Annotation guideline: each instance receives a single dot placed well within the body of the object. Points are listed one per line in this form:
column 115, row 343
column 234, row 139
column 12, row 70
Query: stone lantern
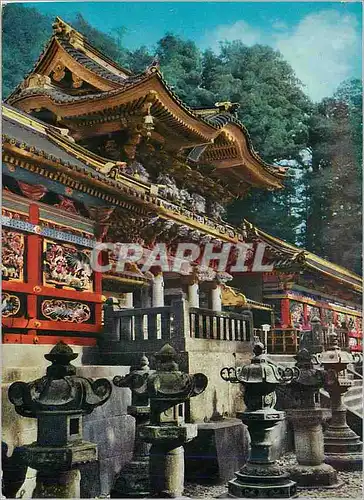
column 306, row 417
column 168, row 390
column 58, row 401
column 343, row 448
column 260, row 476
column 133, row 479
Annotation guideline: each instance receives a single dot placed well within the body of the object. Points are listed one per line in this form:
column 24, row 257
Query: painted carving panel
column 67, row 265
column 296, row 311
column 10, row 305
column 328, row 316
column 312, row 311
column 65, row 310
column 341, row 320
column 12, row 255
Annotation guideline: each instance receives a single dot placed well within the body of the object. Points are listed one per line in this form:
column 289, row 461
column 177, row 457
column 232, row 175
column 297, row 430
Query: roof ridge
column 62, row 29
column 306, row 253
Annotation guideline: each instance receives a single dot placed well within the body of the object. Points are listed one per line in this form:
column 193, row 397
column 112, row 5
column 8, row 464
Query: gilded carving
column 36, row 80
column 67, row 265
column 76, row 81
column 59, row 72
column 10, row 305
column 65, row 310
column 12, row 255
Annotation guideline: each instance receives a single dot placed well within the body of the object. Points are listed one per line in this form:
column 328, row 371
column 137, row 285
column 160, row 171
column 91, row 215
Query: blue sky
column 321, row 40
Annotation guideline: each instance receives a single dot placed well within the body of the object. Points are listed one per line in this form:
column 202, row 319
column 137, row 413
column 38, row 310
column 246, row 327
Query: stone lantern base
column 345, row 461
column 310, row 471
column 261, row 483
column 57, row 467
column 167, row 457
column 343, row 448
column 261, row 477
column 132, row 481
column 315, row 476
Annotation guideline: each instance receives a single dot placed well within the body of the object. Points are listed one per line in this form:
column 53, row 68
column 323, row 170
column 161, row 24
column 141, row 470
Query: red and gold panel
column 12, row 255
column 67, row 265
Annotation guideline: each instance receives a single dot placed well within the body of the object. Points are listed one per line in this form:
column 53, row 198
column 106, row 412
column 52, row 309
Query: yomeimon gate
column 93, row 153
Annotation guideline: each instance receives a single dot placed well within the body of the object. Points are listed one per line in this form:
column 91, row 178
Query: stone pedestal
column 133, row 479
column 261, row 477
column 167, row 457
column 310, row 471
column 59, row 485
column 343, row 448
column 57, row 472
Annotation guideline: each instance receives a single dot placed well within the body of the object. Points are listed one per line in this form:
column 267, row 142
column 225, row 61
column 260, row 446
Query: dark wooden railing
column 176, row 320
column 139, row 324
column 207, row 324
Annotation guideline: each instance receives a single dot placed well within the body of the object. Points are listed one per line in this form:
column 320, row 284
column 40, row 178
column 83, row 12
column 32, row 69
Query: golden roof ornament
column 228, row 106
column 36, row 81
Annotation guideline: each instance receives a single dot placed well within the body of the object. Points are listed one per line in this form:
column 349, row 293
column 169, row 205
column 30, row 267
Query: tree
column 334, row 227
column 273, row 105
column 108, row 44
column 181, row 64
column 21, row 52
column 140, row 59
column 275, row 110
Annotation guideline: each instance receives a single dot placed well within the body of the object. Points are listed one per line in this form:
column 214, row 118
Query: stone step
column 354, row 401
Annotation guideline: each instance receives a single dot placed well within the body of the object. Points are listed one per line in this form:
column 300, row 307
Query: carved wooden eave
column 232, row 155
column 103, row 112
column 44, row 150
column 290, row 257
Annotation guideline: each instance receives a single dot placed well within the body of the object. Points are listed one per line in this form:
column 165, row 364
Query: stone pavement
column 352, row 488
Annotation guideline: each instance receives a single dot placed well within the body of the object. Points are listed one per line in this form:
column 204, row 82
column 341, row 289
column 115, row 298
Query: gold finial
column 230, row 107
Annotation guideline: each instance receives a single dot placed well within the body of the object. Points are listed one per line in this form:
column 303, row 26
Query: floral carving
column 328, row 316
column 217, row 211
column 313, row 311
column 12, row 255
column 10, row 305
column 198, row 203
column 137, row 170
column 65, row 310
column 68, row 266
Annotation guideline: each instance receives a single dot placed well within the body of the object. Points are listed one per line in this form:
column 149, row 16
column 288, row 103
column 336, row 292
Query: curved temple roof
column 101, row 91
column 307, row 259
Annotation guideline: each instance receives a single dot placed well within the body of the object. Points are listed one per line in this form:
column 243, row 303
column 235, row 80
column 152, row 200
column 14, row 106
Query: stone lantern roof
column 61, row 390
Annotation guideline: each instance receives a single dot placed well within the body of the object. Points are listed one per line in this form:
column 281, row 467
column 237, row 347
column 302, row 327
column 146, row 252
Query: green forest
column 320, row 208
